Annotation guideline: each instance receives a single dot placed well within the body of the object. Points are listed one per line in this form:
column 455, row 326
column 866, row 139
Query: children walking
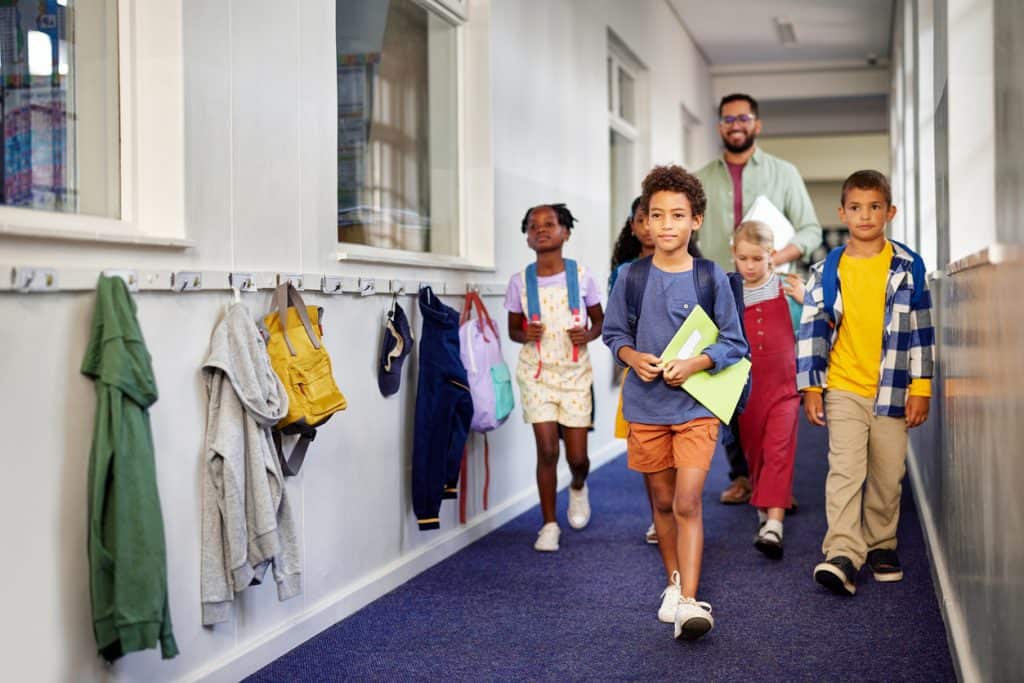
column 672, row 437
column 769, row 422
column 866, row 301
column 545, row 314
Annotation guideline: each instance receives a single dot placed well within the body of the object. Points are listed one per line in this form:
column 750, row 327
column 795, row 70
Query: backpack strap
column 572, row 286
column 532, row 293
column 287, row 296
column 704, row 283
column 636, row 283
column 291, row 465
column 830, row 281
column 917, row 271
column 532, row 306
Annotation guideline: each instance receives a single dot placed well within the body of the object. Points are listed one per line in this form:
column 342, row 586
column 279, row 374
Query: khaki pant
column 866, row 463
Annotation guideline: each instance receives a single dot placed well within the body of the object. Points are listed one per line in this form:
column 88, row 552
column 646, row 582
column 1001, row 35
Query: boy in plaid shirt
column 865, row 358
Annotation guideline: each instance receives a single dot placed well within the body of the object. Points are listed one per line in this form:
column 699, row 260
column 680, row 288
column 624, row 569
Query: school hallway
column 499, row 610
column 381, row 160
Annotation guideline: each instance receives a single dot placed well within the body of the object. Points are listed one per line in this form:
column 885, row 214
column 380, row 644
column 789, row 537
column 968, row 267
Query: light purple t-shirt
column 589, row 290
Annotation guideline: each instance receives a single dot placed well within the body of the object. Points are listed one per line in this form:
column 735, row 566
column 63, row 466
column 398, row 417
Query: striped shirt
column 766, row 292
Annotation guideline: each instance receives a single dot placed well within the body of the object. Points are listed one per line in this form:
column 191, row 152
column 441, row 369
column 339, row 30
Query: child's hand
column 579, row 336
column 794, row 286
column 814, row 408
column 534, row 330
column 647, row 366
column 678, row 371
column 917, row 410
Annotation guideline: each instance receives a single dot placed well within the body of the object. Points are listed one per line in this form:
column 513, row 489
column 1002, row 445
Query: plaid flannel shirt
column 908, row 338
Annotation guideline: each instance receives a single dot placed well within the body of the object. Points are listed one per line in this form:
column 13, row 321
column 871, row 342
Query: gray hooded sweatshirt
column 247, row 521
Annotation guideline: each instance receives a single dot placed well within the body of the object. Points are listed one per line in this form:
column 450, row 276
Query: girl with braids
column 634, row 241
column 545, row 306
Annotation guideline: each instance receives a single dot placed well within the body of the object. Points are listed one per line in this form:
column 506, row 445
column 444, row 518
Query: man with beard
column 732, row 182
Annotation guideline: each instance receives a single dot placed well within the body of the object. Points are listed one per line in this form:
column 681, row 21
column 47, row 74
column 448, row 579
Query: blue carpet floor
column 499, row 611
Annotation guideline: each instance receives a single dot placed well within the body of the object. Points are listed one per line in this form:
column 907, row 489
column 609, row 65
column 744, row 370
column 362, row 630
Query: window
column 398, row 126
column 59, row 106
column 93, row 107
column 626, row 134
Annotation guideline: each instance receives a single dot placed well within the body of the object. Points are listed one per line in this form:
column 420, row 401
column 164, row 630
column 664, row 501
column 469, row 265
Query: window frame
column 475, row 249
column 151, row 141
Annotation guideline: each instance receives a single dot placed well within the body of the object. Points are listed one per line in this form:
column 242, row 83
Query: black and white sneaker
column 885, row 565
column 837, row 575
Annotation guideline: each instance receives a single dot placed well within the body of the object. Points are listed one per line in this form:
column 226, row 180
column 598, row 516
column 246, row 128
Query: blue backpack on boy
column 704, row 282
column 830, row 278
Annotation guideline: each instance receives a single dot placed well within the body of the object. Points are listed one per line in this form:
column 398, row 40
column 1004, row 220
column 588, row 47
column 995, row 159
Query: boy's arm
column 815, row 334
column 922, row 359
column 731, row 346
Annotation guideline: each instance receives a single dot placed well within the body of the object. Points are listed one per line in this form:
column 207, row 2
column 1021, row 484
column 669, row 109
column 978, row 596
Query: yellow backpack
column 301, row 362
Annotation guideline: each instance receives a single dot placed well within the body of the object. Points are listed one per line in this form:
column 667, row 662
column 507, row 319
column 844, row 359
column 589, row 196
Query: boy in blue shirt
column 672, row 437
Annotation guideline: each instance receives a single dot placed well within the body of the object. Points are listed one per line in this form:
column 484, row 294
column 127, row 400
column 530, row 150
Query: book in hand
column 719, row 392
column 782, row 230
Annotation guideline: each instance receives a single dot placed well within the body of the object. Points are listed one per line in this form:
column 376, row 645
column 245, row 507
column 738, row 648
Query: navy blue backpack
column 704, row 282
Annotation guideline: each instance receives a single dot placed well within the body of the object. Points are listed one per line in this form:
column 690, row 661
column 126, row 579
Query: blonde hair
column 755, row 232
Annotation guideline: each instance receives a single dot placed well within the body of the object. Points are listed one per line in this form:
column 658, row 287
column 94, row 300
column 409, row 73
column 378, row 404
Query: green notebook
column 721, row 391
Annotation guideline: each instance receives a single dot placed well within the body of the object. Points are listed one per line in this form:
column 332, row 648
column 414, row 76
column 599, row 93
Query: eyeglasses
column 742, row 118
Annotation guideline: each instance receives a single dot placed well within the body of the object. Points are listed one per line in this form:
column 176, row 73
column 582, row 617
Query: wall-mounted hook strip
column 243, row 282
column 437, row 286
column 186, row 281
column 486, row 288
column 295, row 278
column 34, row 279
column 130, row 277
column 367, row 286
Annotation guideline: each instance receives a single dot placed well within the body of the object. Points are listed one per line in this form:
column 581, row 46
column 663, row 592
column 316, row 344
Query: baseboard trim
column 956, row 627
column 254, row 655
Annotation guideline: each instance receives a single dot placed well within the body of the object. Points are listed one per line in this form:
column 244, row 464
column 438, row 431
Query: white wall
column 260, row 178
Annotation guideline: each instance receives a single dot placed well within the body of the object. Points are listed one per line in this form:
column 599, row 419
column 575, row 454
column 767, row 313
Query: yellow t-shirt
column 856, row 356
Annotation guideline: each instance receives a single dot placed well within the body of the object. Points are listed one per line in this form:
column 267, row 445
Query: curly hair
column 562, row 214
column 674, row 178
column 627, row 247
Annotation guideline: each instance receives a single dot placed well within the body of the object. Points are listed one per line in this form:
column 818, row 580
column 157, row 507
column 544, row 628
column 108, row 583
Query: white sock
column 773, row 525
column 762, row 517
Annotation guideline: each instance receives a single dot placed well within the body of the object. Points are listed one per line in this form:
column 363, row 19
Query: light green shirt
column 765, row 174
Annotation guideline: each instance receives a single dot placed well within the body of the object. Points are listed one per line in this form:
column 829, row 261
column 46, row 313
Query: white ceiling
column 732, row 32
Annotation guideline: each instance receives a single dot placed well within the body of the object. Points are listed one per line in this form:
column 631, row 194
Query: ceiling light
column 784, row 31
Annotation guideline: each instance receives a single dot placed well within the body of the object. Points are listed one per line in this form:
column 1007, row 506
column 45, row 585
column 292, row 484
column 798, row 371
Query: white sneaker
column 669, row 600
column 692, row 619
column 547, row 538
column 651, row 536
column 579, row 507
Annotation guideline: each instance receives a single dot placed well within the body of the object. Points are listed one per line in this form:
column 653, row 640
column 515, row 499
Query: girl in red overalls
column 768, row 423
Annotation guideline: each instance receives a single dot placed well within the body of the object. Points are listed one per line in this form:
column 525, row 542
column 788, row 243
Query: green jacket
column 776, row 179
column 127, row 558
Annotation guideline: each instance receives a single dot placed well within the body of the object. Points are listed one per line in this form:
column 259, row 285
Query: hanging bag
column 301, row 362
column 490, row 383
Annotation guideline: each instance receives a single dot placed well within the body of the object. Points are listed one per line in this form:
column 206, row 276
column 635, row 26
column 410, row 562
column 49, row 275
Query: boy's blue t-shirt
column 668, row 300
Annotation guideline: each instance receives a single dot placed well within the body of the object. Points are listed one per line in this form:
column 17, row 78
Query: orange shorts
column 653, row 448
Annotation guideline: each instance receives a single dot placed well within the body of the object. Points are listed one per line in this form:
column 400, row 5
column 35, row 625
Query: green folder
column 719, row 392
